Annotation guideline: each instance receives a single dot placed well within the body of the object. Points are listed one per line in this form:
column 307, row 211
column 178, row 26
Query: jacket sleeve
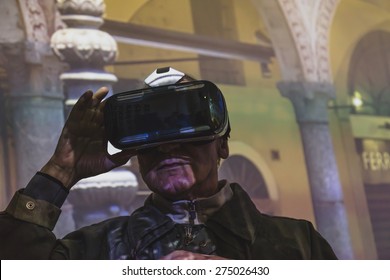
column 27, row 223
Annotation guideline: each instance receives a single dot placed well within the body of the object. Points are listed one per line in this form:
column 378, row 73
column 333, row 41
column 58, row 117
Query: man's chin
column 176, row 190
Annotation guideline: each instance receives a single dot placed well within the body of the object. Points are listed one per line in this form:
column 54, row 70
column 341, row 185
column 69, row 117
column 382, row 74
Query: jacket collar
column 179, row 211
column 230, row 210
column 235, row 216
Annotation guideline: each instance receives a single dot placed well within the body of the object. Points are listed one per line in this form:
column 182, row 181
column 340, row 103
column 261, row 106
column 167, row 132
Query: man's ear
column 223, row 148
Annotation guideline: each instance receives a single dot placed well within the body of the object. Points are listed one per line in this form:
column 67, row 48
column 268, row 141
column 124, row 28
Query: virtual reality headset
column 143, row 118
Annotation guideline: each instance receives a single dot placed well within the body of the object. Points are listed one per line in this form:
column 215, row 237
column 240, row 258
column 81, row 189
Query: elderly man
column 189, row 215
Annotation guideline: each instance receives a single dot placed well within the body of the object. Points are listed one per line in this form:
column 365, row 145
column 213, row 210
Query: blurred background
column 306, row 83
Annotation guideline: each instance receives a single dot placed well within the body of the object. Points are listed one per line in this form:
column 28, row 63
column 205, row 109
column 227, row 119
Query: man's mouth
column 171, row 163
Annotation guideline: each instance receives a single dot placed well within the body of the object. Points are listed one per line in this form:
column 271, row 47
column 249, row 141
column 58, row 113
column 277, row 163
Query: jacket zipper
column 188, row 229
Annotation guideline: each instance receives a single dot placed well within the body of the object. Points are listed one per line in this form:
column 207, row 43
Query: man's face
column 183, row 170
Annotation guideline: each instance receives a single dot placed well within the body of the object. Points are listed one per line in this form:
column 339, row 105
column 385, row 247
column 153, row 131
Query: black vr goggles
column 190, row 111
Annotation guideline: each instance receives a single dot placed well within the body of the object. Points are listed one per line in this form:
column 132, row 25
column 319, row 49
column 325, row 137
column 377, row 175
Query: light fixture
column 357, row 101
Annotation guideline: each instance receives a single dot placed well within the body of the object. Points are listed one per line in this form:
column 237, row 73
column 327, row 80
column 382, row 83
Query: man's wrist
column 62, row 175
column 44, row 187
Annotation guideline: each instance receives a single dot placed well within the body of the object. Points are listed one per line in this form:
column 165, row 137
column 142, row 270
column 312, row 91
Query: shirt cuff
column 44, row 187
column 28, row 209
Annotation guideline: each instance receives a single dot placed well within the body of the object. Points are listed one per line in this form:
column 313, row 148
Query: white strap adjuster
column 164, row 76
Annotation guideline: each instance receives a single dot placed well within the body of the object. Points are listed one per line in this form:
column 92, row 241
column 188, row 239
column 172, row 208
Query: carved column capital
column 84, row 47
column 81, row 12
column 310, row 99
column 84, row 7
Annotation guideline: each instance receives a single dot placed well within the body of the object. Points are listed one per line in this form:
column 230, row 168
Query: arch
column 242, row 149
column 369, row 71
column 289, row 25
column 343, row 38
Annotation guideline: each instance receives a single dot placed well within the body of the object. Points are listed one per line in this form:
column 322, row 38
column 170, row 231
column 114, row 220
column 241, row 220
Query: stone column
column 84, row 47
column 33, row 105
column 310, row 101
column 86, row 50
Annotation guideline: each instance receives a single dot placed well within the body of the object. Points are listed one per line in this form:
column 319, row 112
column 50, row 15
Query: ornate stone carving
column 81, row 12
column 309, row 22
column 83, row 7
column 84, row 47
column 324, row 20
column 41, row 19
column 34, row 21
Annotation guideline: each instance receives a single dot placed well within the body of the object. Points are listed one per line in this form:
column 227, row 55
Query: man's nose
column 166, row 148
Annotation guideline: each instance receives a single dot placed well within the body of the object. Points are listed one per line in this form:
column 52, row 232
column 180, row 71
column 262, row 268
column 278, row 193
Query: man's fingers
column 87, row 106
column 87, row 97
column 99, row 95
